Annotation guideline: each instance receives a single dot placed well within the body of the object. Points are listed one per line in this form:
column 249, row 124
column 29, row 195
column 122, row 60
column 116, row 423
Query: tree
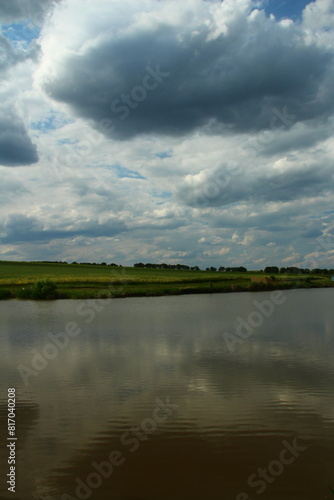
column 271, row 270
column 293, row 270
column 240, row 269
column 44, row 289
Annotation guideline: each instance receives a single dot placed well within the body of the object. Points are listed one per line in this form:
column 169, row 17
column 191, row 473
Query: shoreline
column 205, row 290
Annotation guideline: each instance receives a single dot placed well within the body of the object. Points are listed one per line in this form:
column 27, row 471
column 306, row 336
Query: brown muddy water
column 225, row 396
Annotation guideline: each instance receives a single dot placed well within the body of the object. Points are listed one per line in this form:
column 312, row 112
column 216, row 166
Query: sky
column 197, row 132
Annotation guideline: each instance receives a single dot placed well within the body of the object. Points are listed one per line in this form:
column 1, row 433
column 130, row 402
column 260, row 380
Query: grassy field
column 92, row 281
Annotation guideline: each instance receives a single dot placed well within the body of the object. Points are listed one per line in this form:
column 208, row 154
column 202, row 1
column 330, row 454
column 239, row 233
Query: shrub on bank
column 41, row 290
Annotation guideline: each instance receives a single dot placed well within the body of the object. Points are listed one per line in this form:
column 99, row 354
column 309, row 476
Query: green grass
column 91, row 281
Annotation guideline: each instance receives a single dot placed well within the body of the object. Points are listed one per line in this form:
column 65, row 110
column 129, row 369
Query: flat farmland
column 14, row 273
column 92, row 281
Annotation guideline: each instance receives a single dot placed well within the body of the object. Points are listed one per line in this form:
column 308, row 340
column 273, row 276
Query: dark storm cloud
column 173, row 80
column 313, row 232
column 216, row 190
column 18, row 10
column 295, row 184
column 18, row 228
column 298, row 138
column 16, row 147
column 287, row 220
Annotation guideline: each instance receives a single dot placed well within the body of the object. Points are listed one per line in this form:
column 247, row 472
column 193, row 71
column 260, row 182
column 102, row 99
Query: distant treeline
column 76, row 263
column 48, row 262
column 179, row 267
column 183, row 267
column 296, row 270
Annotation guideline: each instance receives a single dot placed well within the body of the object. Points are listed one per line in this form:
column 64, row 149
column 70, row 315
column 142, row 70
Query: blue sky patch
column 67, row 141
column 44, row 125
column 23, row 32
column 281, row 9
column 163, row 155
column 161, row 194
column 51, row 122
column 123, row 172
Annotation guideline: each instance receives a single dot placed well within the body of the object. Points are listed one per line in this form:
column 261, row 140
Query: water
column 150, row 399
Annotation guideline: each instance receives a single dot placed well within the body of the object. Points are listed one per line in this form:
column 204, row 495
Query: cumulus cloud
column 318, row 23
column 299, row 137
column 16, row 147
column 171, row 68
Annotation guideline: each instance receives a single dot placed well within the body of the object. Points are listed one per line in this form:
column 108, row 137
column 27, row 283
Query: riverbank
column 73, row 281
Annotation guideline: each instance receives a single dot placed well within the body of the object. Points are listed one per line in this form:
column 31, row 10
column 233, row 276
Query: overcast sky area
column 196, row 132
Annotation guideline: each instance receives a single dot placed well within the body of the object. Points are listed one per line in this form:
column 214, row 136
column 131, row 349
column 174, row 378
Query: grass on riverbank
column 93, row 281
